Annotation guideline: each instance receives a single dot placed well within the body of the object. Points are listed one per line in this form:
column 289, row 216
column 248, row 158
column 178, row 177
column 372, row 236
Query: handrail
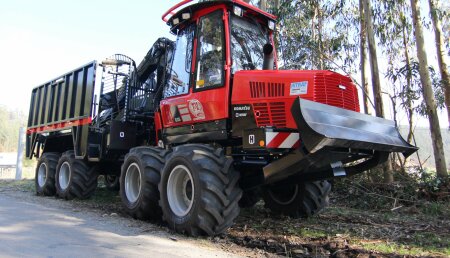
column 165, row 17
column 171, row 10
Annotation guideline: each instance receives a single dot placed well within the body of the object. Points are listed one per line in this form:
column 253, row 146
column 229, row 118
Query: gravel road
column 32, row 226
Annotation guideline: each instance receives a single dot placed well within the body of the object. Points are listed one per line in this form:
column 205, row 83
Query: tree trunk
column 379, row 110
column 320, row 32
column 441, row 54
column 428, row 95
column 263, row 5
column 363, row 55
column 410, row 111
column 313, row 38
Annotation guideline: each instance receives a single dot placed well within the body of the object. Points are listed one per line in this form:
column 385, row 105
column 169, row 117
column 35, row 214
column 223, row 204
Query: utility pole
column 19, row 154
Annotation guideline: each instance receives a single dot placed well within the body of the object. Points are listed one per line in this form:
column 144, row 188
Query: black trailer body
column 61, row 109
column 68, row 113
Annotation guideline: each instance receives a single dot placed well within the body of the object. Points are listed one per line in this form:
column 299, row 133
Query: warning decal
column 299, row 88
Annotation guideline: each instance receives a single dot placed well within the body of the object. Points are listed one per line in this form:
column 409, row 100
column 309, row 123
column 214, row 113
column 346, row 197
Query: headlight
column 237, row 11
column 271, row 25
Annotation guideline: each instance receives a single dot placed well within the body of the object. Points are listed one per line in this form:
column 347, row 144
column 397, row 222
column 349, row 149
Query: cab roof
column 176, row 13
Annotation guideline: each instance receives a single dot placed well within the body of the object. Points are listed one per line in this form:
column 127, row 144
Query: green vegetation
column 10, row 122
column 435, row 208
column 399, row 249
column 308, row 232
column 21, row 185
column 103, row 196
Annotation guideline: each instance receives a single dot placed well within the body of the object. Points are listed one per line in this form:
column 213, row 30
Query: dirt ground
column 340, row 231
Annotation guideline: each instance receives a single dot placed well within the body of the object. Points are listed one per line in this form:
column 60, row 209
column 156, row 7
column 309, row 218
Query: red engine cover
column 271, row 93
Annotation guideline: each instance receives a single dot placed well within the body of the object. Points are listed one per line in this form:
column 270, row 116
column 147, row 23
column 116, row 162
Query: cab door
column 195, row 99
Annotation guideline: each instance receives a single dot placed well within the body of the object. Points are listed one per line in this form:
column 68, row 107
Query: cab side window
column 178, row 82
column 210, row 52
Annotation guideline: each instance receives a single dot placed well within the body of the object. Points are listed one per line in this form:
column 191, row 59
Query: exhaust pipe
column 268, row 57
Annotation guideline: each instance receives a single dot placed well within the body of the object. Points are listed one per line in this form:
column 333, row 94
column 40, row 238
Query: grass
column 28, row 172
column 21, row 185
column 420, row 242
column 435, row 208
column 432, row 242
column 308, row 232
column 400, row 249
column 389, row 248
column 103, row 196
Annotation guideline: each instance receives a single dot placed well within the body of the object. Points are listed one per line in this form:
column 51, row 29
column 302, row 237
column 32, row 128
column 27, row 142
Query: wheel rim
column 133, row 182
column 284, row 195
column 64, row 175
column 180, row 190
column 42, row 174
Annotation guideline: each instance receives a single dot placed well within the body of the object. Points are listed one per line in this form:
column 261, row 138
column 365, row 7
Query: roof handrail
column 171, row 10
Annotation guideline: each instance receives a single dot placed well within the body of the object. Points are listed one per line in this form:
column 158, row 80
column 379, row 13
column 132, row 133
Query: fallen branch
column 396, row 208
column 361, row 188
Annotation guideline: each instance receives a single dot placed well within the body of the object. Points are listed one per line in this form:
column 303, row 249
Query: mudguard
column 323, row 126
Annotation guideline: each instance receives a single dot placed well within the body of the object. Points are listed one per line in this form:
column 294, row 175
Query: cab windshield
column 247, row 41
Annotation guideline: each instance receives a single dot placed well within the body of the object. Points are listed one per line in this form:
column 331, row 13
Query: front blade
column 323, row 125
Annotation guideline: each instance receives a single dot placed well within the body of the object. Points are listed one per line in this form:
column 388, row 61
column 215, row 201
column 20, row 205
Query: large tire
column 74, row 177
column 199, row 190
column 45, row 174
column 139, row 182
column 303, row 199
column 112, row 182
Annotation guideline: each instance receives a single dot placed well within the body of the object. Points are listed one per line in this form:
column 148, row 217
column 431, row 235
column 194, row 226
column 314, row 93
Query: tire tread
column 218, row 205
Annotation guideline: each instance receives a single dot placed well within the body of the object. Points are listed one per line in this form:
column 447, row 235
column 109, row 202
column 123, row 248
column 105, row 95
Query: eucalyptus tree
column 394, row 30
column 317, row 34
column 441, row 55
column 363, row 57
column 428, row 94
column 376, row 85
column 446, row 24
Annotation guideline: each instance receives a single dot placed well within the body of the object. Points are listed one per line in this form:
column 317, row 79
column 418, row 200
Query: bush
column 411, row 188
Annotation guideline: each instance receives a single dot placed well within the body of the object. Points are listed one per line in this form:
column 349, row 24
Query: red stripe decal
column 296, row 145
column 278, row 140
column 59, row 126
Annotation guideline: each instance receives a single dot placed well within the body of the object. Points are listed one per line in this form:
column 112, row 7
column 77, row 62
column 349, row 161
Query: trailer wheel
column 112, row 182
column 74, row 177
column 45, row 174
column 250, row 198
column 298, row 200
column 139, row 182
column 199, row 190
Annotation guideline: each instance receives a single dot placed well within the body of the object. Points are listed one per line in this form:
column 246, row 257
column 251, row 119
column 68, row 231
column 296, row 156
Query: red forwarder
column 204, row 125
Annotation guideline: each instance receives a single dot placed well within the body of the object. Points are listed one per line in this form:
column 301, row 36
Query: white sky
column 40, row 40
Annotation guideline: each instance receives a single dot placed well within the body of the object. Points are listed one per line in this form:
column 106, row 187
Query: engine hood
column 271, row 93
